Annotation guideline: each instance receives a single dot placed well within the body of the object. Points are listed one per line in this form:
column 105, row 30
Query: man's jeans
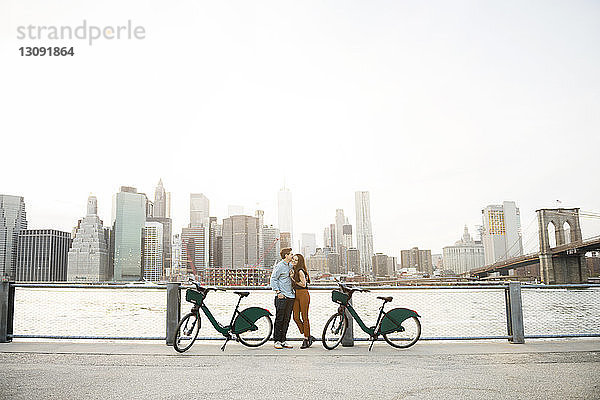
column 283, row 314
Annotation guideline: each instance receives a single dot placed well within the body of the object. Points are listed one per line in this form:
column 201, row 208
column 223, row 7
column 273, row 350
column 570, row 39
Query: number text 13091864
column 46, row 51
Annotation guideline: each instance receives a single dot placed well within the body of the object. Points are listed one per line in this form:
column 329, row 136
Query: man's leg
column 287, row 309
column 279, row 318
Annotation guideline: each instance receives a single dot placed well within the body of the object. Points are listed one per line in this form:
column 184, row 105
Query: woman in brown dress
column 300, row 281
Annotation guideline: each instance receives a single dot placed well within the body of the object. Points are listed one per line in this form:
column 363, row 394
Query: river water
column 444, row 312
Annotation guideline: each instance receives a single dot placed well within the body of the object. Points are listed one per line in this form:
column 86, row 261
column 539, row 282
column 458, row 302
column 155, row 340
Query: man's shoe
column 278, row 345
column 311, row 340
column 286, row 346
column 304, row 344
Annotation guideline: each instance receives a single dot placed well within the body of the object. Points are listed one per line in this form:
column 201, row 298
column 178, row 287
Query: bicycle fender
column 246, row 319
column 392, row 320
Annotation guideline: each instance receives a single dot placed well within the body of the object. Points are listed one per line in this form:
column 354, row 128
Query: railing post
column 7, row 307
column 514, row 313
column 348, row 338
column 173, row 310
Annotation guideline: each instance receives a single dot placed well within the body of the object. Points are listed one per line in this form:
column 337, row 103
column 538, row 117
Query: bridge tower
column 560, row 267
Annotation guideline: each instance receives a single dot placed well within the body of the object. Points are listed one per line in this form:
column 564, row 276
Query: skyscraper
column 271, row 246
column 129, row 219
column 260, row 214
column 240, row 241
column 12, row 220
column 380, row 265
column 162, row 202
column 213, row 231
column 364, row 233
column 199, row 210
column 286, row 239
column 162, row 212
column 153, row 266
column 42, row 255
column 88, row 258
column 340, row 220
column 415, row 258
column 284, row 210
column 353, row 260
column 501, row 232
column 309, row 244
column 194, row 249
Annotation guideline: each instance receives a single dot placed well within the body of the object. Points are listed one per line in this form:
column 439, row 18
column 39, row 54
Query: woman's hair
column 301, row 265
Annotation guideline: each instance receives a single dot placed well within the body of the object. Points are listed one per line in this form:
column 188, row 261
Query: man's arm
column 275, row 278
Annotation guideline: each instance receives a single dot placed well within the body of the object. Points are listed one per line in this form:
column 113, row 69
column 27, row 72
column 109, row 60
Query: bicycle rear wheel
column 334, row 331
column 187, row 332
column 257, row 337
column 406, row 338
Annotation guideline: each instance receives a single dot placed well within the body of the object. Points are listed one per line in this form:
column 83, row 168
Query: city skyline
column 178, row 224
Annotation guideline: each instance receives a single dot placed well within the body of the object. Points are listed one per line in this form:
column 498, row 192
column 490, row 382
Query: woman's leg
column 304, row 303
column 296, row 314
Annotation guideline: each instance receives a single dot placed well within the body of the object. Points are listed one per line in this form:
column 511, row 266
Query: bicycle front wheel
column 257, row 337
column 406, row 338
column 187, row 332
column 334, row 331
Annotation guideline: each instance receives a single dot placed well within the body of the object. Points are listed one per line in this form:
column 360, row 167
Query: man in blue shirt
column 281, row 283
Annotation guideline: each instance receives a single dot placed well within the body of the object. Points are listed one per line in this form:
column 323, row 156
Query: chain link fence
column 561, row 312
column 453, row 312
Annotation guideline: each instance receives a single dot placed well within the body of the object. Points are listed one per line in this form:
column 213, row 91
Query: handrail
column 502, row 285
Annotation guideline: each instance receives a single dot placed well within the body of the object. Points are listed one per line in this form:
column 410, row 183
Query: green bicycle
column 399, row 327
column 252, row 327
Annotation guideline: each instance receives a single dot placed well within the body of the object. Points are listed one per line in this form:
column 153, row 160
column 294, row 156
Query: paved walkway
column 566, row 369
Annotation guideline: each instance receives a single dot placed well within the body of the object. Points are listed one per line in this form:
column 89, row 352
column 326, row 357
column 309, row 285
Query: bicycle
column 399, row 327
column 252, row 327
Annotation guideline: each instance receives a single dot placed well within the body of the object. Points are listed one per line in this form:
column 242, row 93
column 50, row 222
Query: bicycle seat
column 385, row 299
column 242, row 294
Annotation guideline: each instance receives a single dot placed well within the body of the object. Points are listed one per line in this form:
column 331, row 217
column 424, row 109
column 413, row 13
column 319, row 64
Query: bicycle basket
column 194, row 296
column 339, row 297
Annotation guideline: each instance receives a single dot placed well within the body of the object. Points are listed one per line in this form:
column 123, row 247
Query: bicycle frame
column 223, row 330
column 372, row 332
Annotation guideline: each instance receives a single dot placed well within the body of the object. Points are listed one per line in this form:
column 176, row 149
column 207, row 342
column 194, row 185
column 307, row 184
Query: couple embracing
column 290, row 282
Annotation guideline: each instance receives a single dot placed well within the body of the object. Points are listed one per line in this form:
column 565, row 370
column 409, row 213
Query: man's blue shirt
column 280, row 279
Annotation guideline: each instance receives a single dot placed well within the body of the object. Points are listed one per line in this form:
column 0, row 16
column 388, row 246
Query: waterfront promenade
column 538, row 369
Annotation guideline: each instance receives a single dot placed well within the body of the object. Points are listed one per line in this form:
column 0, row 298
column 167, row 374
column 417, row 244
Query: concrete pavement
column 541, row 369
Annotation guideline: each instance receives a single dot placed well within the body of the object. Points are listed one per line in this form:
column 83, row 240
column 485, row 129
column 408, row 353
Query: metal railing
column 513, row 311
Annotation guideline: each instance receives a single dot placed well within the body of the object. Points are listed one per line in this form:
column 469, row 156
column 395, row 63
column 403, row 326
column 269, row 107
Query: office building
column 194, row 249
column 199, row 210
column 465, row 255
column 88, row 257
column 308, row 245
column 240, row 241
column 162, row 202
column 364, row 233
column 286, row 239
column 340, row 220
column 260, row 214
column 380, row 265
column 415, row 258
column 334, row 263
column 284, row 212
column 501, row 234
column 42, row 255
column 13, row 219
column 353, row 260
column 242, row 276
column 129, row 218
column 153, row 267
column 271, row 246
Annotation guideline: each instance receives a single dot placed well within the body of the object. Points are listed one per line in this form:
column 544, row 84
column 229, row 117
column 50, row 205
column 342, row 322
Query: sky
column 436, row 108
